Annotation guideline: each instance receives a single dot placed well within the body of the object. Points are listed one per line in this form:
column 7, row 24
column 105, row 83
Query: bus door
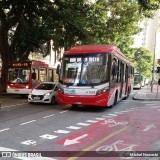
column 126, row 78
column 121, row 78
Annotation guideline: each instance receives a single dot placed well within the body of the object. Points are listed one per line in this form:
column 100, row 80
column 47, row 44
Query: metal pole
column 157, row 91
column 154, row 62
column 153, row 73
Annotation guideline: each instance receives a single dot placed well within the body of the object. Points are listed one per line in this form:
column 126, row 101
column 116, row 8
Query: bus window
column 50, row 75
column 114, row 68
column 42, row 74
column 18, row 75
column 118, row 71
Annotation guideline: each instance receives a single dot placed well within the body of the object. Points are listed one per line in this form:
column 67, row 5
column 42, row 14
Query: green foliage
column 33, row 23
column 143, row 61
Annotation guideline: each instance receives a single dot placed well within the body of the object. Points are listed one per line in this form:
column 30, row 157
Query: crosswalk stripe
column 73, row 127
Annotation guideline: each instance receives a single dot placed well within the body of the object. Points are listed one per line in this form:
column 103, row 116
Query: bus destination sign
column 20, row 64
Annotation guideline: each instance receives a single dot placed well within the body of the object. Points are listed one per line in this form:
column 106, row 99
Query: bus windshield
column 18, row 75
column 85, row 69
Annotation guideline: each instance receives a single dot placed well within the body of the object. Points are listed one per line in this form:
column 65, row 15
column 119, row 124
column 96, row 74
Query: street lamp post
column 154, row 58
column 153, row 72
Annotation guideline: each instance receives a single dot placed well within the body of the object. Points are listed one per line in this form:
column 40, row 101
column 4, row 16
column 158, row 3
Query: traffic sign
column 158, row 61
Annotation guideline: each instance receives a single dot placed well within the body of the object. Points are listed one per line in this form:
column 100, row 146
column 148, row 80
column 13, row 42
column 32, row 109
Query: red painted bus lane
column 137, row 130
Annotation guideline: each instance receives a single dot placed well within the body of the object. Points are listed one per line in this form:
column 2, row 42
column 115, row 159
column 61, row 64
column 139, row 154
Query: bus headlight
column 8, row 87
column 103, row 90
column 27, row 87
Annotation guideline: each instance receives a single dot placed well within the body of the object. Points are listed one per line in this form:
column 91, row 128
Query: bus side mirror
column 159, row 81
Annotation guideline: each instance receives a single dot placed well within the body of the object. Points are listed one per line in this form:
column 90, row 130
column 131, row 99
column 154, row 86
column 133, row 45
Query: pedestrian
column 33, row 74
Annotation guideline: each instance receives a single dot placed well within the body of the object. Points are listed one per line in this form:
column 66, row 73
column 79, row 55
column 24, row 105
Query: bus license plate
column 16, row 90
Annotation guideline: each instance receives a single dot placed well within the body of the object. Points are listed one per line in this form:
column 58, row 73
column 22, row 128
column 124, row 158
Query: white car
column 43, row 93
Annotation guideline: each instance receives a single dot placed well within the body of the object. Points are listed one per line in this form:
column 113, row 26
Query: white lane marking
column 64, row 111
column 91, row 121
column 99, row 118
column 109, row 115
column 73, row 127
column 155, row 107
column 112, row 115
column 118, row 112
column 124, row 111
column 9, row 150
column 48, row 136
column 83, row 124
column 49, row 116
column 62, row 131
column 27, row 122
column 5, row 129
column 14, row 105
column 149, row 127
column 29, row 142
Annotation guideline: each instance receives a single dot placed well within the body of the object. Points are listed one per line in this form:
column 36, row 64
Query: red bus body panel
column 99, row 100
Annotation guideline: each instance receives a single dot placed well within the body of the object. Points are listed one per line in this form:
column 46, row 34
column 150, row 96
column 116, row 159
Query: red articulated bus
column 21, row 79
column 96, row 75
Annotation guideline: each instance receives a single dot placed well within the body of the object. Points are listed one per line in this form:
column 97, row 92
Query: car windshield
column 45, row 86
column 85, row 69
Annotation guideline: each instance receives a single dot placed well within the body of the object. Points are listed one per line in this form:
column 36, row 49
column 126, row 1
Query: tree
column 143, row 61
column 25, row 26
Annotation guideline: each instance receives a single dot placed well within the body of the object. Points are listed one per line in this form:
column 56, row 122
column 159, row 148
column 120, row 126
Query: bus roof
column 94, row 48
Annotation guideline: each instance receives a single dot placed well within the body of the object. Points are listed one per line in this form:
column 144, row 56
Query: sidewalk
column 146, row 94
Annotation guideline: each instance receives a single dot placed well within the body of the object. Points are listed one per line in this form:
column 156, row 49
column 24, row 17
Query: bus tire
column 74, row 106
column 128, row 93
column 115, row 98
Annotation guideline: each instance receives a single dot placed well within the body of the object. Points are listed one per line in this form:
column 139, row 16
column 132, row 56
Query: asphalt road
column 83, row 133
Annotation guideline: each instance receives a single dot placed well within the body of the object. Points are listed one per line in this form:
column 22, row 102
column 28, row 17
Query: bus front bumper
column 97, row 100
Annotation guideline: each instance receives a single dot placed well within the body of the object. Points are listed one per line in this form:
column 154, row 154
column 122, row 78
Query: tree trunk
column 4, row 49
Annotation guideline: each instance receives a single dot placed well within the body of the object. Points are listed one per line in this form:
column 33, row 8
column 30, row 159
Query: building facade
column 150, row 36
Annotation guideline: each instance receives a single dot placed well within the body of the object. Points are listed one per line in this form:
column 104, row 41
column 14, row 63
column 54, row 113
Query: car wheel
column 53, row 100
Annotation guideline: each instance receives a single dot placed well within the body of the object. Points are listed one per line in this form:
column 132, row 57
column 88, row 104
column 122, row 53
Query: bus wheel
column 128, row 93
column 115, row 98
column 53, row 100
column 74, row 106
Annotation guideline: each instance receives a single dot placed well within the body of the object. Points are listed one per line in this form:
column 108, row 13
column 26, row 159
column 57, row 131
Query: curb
column 143, row 99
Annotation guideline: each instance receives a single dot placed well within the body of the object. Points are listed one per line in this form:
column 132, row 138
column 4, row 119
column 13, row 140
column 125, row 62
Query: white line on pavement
column 83, row 124
column 73, row 127
column 99, row 118
column 49, row 116
column 62, row 131
column 91, row 121
column 14, row 105
column 27, row 122
column 64, row 111
column 6, row 129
